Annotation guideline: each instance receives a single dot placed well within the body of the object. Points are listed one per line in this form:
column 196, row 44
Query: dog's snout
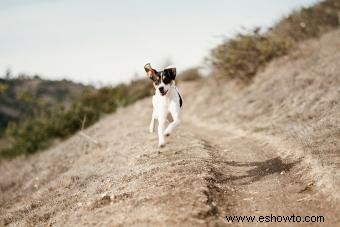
column 161, row 89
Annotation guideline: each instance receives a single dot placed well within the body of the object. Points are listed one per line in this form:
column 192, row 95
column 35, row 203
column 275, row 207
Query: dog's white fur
column 162, row 106
column 165, row 107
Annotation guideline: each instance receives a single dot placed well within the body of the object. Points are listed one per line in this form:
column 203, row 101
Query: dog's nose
column 161, row 89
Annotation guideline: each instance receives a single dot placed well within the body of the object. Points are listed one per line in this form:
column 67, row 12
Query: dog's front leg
column 173, row 125
column 175, row 113
column 161, row 128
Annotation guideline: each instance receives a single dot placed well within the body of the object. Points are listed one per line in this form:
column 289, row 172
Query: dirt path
column 249, row 178
column 202, row 175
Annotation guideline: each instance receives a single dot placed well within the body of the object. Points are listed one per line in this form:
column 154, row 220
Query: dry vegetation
column 190, row 75
column 241, row 57
column 293, row 103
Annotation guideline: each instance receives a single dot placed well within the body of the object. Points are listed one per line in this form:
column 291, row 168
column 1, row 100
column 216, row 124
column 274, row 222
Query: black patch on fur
column 169, row 74
column 180, row 99
column 166, row 79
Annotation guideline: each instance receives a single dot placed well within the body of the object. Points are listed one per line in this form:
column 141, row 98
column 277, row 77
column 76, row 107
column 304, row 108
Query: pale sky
column 109, row 41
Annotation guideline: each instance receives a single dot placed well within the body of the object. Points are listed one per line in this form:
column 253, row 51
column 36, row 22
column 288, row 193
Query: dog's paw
column 167, row 133
column 151, row 128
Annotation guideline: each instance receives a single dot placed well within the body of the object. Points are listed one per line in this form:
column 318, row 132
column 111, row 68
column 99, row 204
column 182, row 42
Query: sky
column 109, row 41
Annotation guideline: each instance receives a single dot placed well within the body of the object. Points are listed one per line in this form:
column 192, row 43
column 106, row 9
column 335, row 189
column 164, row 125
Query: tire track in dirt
column 248, row 177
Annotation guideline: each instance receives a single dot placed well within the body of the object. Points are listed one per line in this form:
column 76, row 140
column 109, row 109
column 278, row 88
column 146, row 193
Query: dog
column 167, row 102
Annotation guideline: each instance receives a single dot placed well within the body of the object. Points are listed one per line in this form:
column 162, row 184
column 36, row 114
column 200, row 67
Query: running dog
column 166, row 102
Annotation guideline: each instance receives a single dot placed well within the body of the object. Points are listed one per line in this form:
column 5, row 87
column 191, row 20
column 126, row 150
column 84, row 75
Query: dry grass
column 244, row 55
column 189, row 75
column 293, row 102
column 309, row 22
column 241, row 57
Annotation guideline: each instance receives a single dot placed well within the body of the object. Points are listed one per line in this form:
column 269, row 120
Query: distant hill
column 34, row 111
column 24, row 96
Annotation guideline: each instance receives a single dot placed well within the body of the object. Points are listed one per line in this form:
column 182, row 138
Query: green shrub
column 37, row 132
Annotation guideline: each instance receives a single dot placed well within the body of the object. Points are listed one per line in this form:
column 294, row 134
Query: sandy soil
column 201, row 176
column 218, row 163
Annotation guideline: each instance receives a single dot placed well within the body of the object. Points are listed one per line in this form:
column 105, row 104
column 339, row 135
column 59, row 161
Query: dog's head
column 161, row 80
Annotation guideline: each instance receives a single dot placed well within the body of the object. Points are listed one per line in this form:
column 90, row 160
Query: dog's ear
column 150, row 72
column 170, row 72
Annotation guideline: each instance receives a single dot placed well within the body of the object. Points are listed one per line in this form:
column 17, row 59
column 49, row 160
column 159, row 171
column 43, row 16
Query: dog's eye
column 156, row 82
column 166, row 80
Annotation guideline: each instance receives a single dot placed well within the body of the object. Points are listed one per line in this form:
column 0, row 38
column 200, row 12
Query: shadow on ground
column 250, row 172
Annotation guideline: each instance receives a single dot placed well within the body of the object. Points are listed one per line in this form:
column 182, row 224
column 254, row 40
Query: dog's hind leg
column 153, row 116
column 152, row 124
column 161, row 127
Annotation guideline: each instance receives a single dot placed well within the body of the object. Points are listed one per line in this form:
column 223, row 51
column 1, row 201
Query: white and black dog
column 167, row 101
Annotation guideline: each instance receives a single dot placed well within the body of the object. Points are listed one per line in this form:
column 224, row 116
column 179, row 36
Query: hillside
column 269, row 148
column 54, row 110
column 293, row 103
column 22, row 97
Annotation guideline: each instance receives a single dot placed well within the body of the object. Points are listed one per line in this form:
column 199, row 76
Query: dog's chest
column 162, row 101
column 171, row 102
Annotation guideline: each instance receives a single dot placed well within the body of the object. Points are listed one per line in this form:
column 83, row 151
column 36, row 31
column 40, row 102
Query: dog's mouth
column 163, row 93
